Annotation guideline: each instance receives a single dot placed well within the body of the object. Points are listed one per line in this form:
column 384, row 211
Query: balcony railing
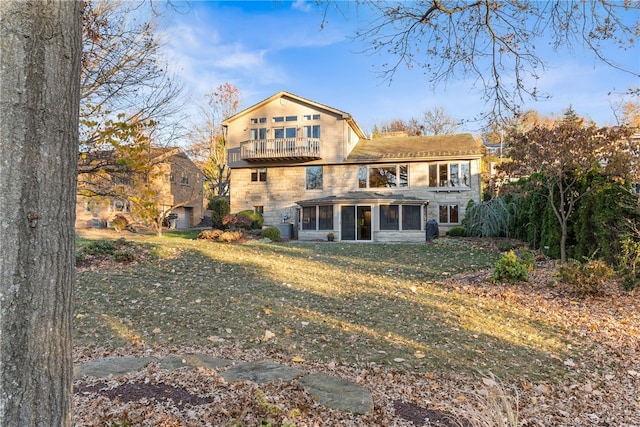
column 298, row 149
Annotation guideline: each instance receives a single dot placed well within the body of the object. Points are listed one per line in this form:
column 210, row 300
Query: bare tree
column 39, row 100
column 124, row 75
column 494, row 42
column 208, row 145
column 437, row 122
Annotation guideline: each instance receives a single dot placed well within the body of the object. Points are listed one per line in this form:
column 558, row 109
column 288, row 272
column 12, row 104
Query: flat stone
column 174, row 361
column 261, row 372
column 101, row 368
column 336, row 393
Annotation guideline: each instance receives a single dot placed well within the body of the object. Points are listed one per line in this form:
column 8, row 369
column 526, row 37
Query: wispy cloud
column 302, row 5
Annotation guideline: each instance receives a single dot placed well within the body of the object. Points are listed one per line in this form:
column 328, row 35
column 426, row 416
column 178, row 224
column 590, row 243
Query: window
column 119, row 205
column 316, row 117
column 311, row 117
column 411, row 217
column 314, row 178
column 309, row 218
column 184, row 180
column 451, row 174
column 325, row 217
column 291, row 119
column 383, row 176
column 259, row 175
column 259, row 133
column 449, row 214
column 312, row 131
column 169, row 177
column 278, row 119
column 389, row 217
column 258, row 209
column 258, row 120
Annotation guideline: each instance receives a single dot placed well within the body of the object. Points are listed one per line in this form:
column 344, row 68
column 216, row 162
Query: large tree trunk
column 40, row 56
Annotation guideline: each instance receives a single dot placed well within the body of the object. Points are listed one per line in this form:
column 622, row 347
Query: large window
column 389, row 217
column 314, row 178
column 259, row 133
column 383, row 176
column 317, row 217
column 259, row 175
column 325, row 217
column 449, row 214
column 309, row 218
column 411, row 217
column 450, row 174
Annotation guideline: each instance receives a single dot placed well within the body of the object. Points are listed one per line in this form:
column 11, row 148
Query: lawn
column 391, row 304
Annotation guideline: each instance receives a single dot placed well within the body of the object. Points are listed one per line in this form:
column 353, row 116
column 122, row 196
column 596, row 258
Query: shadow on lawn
column 337, row 304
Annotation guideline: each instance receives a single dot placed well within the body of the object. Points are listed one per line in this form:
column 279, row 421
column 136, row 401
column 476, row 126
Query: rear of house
column 310, row 169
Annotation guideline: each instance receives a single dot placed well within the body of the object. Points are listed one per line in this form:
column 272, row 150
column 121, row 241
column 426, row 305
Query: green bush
column 119, row 222
column 629, row 262
column 124, row 255
column 271, row 233
column 585, row 279
column 457, row 232
column 101, row 247
column 505, row 245
column 256, row 218
column 219, row 208
column 510, row 269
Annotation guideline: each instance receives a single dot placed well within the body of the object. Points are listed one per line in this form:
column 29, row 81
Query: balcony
column 281, row 149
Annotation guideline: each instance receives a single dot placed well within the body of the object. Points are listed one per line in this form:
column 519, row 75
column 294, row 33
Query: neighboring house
column 104, row 193
column 308, row 164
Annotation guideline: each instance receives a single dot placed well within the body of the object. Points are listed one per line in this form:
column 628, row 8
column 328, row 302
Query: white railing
column 280, row 148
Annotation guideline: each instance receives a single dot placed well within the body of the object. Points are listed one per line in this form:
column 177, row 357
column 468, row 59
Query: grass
column 347, row 303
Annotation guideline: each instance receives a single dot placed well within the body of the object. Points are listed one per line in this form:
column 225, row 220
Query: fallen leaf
column 268, row 335
column 419, row 355
column 156, row 331
column 298, row 359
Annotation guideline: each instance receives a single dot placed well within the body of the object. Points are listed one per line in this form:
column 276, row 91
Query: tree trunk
column 41, row 48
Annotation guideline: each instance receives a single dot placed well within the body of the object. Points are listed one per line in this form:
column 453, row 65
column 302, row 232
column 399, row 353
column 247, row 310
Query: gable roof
column 416, row 147
column 284, row 94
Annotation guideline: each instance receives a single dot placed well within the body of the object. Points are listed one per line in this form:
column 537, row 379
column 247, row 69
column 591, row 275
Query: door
column 355, row 222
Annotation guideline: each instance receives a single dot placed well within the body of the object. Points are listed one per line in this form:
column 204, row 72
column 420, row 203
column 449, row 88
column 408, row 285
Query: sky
column 263, row 47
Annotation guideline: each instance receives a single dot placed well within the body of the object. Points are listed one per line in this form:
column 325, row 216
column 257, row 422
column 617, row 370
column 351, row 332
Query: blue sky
column 263, row 47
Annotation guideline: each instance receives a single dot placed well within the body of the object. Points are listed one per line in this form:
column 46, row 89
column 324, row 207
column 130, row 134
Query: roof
column 416, row 147
column 362, row 196
column 284, row 94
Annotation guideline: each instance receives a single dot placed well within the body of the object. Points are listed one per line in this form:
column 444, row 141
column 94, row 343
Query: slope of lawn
column 349, row 303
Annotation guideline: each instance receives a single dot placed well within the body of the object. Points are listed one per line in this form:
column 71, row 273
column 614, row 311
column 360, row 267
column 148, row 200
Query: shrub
column 510, row 269
column 219, row 208
column 124, row 255
column 210, row 234
column 230, row 236
column 119, row 222
column 101, row 247
column 271, row 233
column 629, row 262
column 236, row 222
column 586, row 279
column 256, row 218
column 505, row 245
column 457, row 232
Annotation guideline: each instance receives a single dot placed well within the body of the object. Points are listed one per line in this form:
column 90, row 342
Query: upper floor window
column 278, row 119
column 184, row 180
column 314, row 178
column 259, row 175
column 450, row 174
column 311, row 117
column 259, row 133
column 383, row 176
column 291, row 119
column 279, row 133
column 312, row 131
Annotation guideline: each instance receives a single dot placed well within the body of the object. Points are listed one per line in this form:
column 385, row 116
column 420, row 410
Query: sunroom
column 363, row 217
